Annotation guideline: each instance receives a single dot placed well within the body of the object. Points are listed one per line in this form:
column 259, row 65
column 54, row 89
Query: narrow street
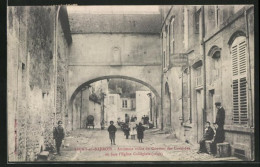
column 85, row 145
column 187, row 70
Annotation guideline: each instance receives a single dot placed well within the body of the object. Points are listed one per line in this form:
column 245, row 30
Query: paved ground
column 94, row 145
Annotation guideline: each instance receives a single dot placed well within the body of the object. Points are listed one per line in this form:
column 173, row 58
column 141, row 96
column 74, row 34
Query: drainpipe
column 190, row 94
column 55, row 61
column 80, row 116
column 250, row 116
column 161, row 114
column 249, row 72
column 204, row 66
column 182, row 107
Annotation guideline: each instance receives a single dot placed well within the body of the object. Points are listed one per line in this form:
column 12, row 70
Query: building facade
column 208, row 57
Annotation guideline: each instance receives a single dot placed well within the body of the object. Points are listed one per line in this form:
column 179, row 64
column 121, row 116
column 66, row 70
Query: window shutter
column 242, row 57
column 239, row 80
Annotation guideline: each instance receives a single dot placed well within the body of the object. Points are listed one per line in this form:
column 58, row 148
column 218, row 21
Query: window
column 197, row 22
column 186, row 28
column 172, row 36
column 164, row 60
column 214, row 64
column 216, row 16
column 198, row 76
column 132, row 104
column 239, row 80
column 165, row 38
column 111, row 100
column 116, row 54
column 124, row 103
column 214, row 71
column 167, row 47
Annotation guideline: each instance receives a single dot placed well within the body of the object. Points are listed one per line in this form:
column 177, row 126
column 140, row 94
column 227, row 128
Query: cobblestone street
column 84, row 145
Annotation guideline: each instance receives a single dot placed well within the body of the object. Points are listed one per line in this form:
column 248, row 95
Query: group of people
column 145, row 119
column 130, row 128
column 215, row 134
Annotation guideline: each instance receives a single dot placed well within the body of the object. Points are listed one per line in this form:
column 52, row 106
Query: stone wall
column 31, row 80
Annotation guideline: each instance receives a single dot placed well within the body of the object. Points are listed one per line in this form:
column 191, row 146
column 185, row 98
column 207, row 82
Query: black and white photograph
column 131, row 83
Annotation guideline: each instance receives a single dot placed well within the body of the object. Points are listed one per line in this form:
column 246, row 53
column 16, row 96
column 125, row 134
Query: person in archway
column 58, row 136
column 140, row 132
column 112, row 132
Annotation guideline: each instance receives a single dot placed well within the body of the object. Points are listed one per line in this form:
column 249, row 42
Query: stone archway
column 84, row 84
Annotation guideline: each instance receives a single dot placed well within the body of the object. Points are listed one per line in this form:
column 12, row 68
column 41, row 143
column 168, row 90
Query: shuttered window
column 239, row 80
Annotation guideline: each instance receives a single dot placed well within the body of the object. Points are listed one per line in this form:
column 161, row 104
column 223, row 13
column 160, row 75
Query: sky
column 133, row 9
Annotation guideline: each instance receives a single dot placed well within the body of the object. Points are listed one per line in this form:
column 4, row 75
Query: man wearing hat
column 220, row 117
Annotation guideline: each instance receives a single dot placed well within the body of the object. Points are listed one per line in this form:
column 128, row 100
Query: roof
column 114, row 23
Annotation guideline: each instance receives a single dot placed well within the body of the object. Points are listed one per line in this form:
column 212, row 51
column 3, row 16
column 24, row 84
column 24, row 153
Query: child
column 140, row 132
column 58, row 136
column 126, row 130
column 112, row 132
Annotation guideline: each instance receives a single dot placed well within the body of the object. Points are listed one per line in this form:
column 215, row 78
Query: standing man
column 208, row 135
column 112, row 132
column 58, row 136
column 220, row 117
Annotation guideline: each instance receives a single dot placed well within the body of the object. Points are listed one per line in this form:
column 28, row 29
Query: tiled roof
column 115, row 23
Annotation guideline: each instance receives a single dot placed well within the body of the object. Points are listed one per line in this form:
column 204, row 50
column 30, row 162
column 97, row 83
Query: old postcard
column 130, row 83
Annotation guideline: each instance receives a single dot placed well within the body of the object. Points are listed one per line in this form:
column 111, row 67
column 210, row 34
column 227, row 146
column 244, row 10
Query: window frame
column 239, row 81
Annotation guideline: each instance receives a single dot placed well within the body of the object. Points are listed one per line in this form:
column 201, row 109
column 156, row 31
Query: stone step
column 44, row 155
column 225, row 159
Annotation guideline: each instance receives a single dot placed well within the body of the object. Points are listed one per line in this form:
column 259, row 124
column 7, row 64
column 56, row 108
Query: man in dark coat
column 218, row 138
column 140, row 132
column 208, row 135
column 220, row 117
column 112, row 132
column 58, row 136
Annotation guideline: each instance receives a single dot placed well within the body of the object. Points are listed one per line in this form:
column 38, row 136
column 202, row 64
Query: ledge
column 197, row 63
column 237, row 128
column 199, row 87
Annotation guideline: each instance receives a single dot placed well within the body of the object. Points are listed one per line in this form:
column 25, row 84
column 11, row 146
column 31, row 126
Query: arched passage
column 87, row 83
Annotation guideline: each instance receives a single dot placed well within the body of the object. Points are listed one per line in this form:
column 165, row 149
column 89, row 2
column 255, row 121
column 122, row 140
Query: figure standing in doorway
column 112, row 132
column 58, row 136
